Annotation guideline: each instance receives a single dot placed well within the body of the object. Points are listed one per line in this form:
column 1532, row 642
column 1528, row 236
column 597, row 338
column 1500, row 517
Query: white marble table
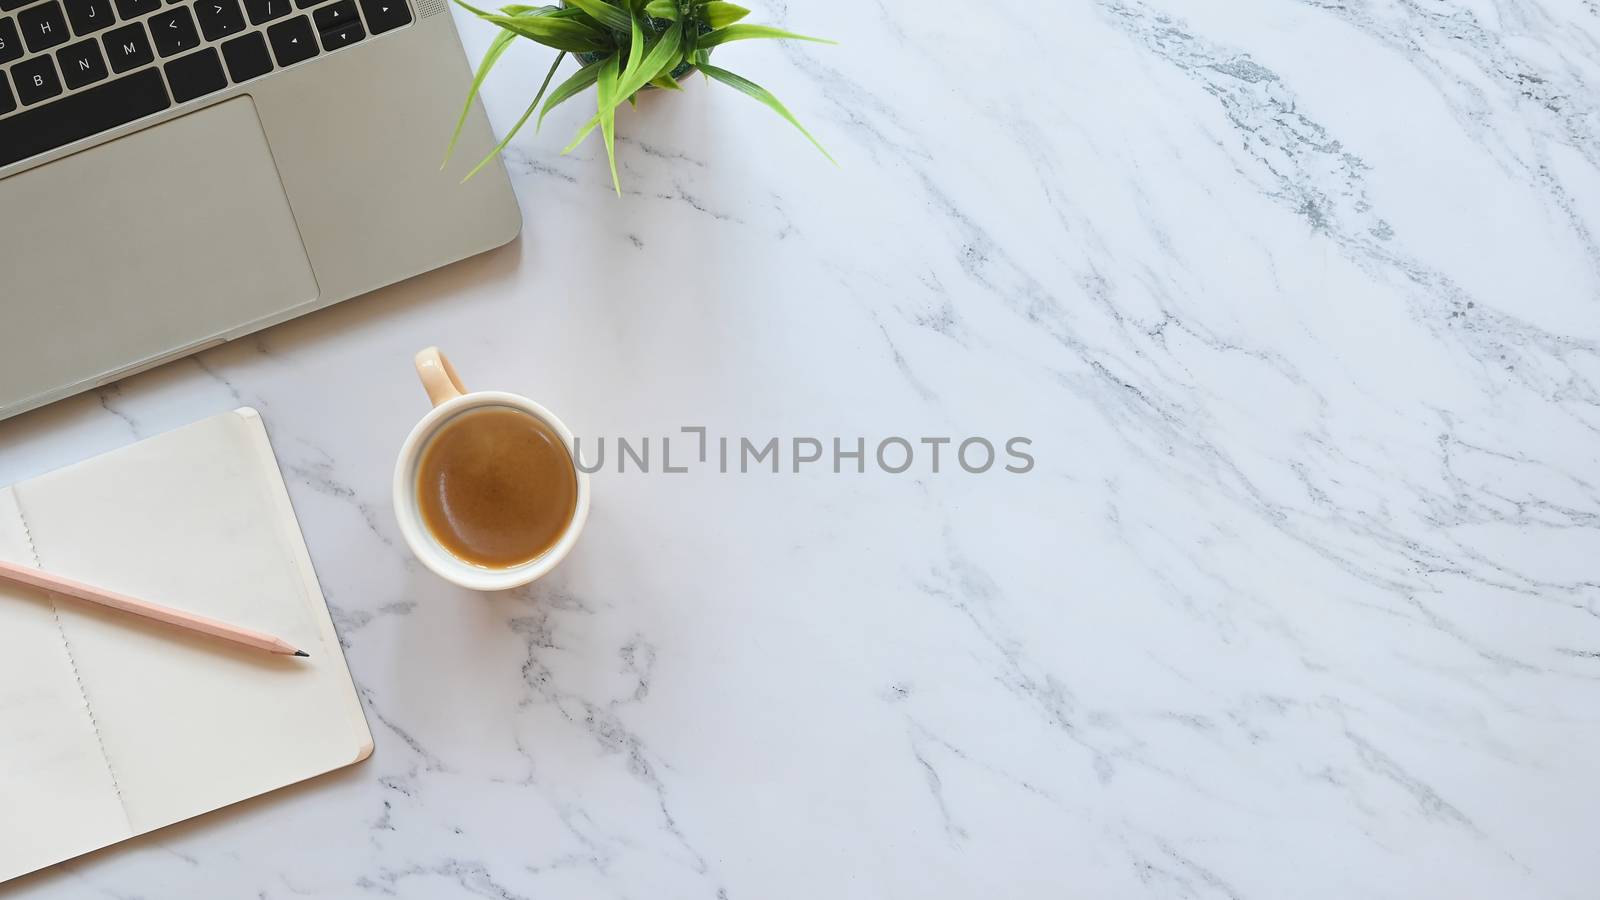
column 1299, row 303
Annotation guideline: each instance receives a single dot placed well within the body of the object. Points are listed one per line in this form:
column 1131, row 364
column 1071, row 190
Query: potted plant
column 623, row 47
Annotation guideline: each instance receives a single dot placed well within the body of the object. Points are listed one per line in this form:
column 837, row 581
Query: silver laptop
column 177, row 173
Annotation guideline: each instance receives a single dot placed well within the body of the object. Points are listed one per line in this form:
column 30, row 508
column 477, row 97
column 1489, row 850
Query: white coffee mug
column 451, row 399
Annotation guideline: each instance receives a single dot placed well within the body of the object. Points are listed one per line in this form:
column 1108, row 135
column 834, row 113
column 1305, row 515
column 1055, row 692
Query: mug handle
column 438, row 376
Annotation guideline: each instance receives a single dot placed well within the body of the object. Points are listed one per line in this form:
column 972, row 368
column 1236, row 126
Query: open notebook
column 111, row 725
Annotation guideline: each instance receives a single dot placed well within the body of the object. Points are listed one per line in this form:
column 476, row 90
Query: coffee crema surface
column 496, row 487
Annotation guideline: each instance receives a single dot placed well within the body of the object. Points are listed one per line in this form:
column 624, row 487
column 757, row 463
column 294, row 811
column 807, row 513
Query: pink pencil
column 60, row 585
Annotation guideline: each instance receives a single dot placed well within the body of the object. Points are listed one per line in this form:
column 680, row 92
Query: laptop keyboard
column 71, row 69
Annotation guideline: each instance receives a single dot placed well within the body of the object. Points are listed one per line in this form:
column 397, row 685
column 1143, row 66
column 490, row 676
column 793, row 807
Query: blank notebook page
column 112, row 725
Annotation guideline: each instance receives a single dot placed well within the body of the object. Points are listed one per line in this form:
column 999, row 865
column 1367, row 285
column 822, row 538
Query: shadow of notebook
column 112, row 726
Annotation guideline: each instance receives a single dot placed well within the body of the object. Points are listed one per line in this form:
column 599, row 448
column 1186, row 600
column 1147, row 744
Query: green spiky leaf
column 558, row 32
column 553, row 12
column 751, row 89
column 522, row 121
column 497, row 48
column 606, row 86
column 633, row 44
column 569, row 35
column 635, row 47
column 749, row 32
column 565, row 91
column 664, row 54
column 608, row 14
column 720, row 15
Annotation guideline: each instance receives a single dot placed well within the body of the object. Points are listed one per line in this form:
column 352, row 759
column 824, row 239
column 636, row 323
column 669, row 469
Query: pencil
column 176, row 617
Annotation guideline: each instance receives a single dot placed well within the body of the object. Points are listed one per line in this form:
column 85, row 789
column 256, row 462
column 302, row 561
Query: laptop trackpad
column 156, row 242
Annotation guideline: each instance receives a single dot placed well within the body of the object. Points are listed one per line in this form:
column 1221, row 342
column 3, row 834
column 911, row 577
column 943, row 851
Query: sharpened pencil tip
column 302, row 653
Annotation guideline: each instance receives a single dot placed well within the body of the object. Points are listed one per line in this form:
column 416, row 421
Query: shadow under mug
column 450, row 399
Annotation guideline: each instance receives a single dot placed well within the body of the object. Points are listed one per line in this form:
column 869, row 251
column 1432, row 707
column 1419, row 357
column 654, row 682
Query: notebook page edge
column 294, row 540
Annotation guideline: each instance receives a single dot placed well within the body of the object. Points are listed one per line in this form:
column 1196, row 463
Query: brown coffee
column 496, row 487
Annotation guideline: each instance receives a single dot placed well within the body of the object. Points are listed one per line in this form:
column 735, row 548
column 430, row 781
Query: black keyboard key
column 334, row 15
column 89, row 16
column 82, row 64
column 247, row 57
column 132, row 9
column 36, row 80
column 305, row 3
column 9, row 5
column 174, row 32
column 293, row 41
column 342, row 36
column 196, row 75
column 7, row 102
column 219, row 18
column 10, row 41
column 263, row 11
column 81, row 115
column 43, row 26
column 128, row 48
column 385, row 15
